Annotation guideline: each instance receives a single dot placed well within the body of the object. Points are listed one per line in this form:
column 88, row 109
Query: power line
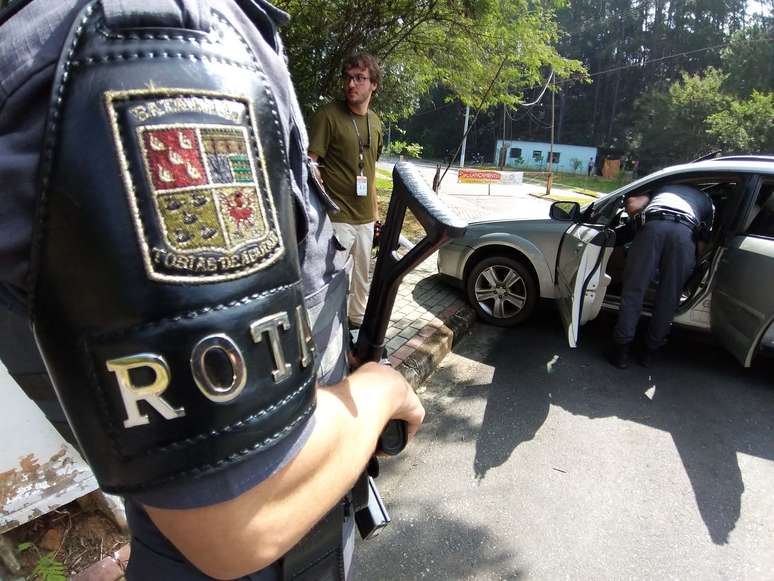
column 664, row 58
column 538, row 121
column 427, row 111
column 543, row 92
column 483, row 100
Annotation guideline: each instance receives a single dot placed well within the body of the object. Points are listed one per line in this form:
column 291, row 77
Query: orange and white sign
column 476, row 176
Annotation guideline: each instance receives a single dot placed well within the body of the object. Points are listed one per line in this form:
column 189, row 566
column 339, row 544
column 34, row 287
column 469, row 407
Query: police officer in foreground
column 181, row 278
column 670, row 227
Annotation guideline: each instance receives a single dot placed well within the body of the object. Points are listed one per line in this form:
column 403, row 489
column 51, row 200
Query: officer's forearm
column 248, row 533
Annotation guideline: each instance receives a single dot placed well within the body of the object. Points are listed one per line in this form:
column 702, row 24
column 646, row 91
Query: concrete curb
column 421, row 363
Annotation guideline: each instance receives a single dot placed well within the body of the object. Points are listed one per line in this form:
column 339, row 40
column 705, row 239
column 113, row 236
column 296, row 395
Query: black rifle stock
column 409, row 191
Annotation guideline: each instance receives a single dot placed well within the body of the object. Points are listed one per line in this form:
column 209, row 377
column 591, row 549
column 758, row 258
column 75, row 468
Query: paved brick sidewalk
column 423, row 305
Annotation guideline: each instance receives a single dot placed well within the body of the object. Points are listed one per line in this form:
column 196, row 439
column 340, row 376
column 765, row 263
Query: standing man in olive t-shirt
column 346, row 141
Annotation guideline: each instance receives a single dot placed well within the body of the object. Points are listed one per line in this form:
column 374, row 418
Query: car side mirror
column 565, row 211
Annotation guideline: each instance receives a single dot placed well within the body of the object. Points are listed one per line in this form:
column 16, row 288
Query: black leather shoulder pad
column 167, row 295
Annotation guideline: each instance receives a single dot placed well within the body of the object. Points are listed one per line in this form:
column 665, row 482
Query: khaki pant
column 357, row 239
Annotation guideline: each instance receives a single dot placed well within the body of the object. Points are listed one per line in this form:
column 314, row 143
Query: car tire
column 502, row 291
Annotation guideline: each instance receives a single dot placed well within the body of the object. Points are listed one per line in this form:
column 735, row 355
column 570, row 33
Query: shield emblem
column 210, row 215
column 204, row 187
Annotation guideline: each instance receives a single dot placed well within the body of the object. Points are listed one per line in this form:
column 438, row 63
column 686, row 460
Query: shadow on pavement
column 425, row 289
column 712, row 407
column 436, row 548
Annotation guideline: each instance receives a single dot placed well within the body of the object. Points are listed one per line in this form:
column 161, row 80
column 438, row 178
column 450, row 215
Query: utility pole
column 551, row 151
column 503, row 123
column 501, row 154
column 464, row 136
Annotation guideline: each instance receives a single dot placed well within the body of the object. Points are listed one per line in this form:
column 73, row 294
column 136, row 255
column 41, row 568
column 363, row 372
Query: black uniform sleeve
column 166, row 290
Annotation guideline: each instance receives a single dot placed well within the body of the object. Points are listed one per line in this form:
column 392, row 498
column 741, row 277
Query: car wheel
column 503, row 291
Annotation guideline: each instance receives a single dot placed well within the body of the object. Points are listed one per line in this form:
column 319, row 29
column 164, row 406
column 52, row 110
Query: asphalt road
column 543, row 462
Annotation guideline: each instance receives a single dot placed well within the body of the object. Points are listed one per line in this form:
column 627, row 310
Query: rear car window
column 762, row 223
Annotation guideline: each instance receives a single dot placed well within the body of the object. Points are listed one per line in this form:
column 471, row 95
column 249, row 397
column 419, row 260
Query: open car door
column 581, row 279
column 742, row 302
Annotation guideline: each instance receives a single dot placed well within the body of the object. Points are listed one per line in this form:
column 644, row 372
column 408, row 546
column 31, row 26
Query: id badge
column 362, row 186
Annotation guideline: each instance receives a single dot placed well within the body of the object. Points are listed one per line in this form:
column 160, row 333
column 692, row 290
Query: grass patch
column 383, row 180
column 412, row 229
column 582, row 200
column 593, row 186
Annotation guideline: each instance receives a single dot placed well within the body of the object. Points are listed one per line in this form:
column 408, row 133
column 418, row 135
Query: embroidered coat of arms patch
column 213, row 215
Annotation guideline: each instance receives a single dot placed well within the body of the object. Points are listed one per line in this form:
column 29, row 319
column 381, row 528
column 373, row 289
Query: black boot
column 620, row 355
column 647, row 356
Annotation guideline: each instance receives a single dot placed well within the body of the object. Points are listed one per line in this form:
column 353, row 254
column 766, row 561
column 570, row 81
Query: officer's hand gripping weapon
column 410, row 192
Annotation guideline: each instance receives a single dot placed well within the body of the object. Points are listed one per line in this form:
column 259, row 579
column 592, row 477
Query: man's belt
column 671, row 217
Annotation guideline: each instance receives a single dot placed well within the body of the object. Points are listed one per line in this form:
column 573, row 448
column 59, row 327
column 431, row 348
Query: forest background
column 656, row 81
column 649, row 80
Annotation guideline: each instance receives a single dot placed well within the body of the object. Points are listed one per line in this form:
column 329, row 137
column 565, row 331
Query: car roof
column 744, row 157
column 732, row 164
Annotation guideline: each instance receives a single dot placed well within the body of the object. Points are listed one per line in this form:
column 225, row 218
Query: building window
column 555, row 157
column 537, row 155
column 515, row 152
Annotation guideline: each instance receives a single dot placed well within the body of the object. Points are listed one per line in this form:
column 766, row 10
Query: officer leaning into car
column 670, row 227
column 182, row 280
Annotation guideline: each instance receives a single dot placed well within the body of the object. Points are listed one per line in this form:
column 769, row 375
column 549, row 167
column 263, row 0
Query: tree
column 459, row 44
column 631, row 47
column 745, row 126
column 672, row 125
column 748, row 61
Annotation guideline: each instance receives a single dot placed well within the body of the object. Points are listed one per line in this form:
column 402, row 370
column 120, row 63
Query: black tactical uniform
column 665, row 244
column 155, row 210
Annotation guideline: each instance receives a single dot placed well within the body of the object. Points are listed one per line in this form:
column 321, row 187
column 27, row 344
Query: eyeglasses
column 359, row 79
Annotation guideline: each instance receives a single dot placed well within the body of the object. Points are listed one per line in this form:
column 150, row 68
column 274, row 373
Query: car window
column 602, row 211
column 722, row 191
column 726, row 198
column 762, row 216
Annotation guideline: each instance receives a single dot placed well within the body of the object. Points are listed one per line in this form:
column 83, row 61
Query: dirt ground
column 70, row 536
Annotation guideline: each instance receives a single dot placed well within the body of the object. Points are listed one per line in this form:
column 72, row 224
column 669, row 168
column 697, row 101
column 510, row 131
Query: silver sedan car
column 504, row 266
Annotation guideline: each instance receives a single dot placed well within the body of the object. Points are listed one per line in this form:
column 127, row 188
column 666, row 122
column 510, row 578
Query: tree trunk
column 562, row 103
column 593, row 130
column 613, row 109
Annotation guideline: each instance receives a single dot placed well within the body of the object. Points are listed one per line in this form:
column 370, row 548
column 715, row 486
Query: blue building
column 533, row 155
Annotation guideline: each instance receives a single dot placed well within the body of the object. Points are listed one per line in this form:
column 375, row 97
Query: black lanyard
column 362, row 146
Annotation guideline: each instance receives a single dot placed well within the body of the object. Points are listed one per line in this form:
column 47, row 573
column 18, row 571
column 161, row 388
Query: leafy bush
column 48, row 568
column 402, row 148
column 577, row 164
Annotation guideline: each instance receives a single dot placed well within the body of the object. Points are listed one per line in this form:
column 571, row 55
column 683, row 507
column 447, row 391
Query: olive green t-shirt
column 335, row 141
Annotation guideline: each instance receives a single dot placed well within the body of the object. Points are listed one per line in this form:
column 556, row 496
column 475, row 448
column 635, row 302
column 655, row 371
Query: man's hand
column 315, row 166
column 408, row 407
column 243, row 535
column 636, row 204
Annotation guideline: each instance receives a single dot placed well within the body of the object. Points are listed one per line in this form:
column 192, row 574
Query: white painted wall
column 39, row 471
column 566, row 155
